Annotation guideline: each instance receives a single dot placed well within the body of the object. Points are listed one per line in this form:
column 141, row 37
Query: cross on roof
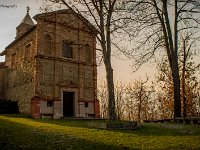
column 28, row 8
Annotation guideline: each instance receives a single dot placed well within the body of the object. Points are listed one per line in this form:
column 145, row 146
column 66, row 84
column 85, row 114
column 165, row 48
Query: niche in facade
column 47, row 45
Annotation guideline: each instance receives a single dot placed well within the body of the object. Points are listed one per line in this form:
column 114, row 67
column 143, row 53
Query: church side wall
column 21, row 66
column 3, row 77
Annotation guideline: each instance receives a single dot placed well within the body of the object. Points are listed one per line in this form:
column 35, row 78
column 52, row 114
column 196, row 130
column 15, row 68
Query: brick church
column 50, row 68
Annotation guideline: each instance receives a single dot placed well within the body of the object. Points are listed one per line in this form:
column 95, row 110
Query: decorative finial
column 28, row 8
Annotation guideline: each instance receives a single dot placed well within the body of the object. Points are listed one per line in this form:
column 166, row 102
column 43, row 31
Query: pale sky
column 11, row 18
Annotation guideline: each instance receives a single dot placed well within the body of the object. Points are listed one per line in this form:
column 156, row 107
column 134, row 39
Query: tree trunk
column 173, row 57
column 175, row 67
column 108, row 66
column 177, row 95
column 110, row 87
column 183, row 79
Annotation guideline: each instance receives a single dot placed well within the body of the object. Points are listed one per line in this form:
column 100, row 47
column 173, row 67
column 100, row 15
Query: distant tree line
column 141, row 100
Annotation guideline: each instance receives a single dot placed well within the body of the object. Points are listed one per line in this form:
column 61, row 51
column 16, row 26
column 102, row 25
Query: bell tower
column 25, row 25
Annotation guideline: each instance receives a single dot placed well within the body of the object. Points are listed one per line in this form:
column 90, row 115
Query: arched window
column 67, row 50
column 13, row 60
column 47, row 45
column 28, row 52
column 88, row 55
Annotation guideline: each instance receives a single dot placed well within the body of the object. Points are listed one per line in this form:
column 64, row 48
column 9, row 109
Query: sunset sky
column 11, row 18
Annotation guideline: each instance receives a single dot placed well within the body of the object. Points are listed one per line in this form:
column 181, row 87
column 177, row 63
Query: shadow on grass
column 19, row 136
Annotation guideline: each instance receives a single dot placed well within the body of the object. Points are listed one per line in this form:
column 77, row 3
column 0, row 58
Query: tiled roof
column 27, row 20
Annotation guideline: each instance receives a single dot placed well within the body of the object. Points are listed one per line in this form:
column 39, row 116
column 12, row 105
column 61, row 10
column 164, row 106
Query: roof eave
column 13, row 42
column 3, row 52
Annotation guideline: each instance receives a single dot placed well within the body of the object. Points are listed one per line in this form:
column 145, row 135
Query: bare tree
column 156, row 28
column 188, row 70
column 189, row 83
column 165, row 94
column 138, row 94
column 103, row 99
column 120, row 93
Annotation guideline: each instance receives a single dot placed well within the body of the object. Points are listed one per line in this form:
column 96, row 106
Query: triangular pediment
column 68, row 18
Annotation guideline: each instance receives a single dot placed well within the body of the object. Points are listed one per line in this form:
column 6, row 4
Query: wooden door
column 68, row 104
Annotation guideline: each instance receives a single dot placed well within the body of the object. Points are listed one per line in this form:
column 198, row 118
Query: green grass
column 21, row 132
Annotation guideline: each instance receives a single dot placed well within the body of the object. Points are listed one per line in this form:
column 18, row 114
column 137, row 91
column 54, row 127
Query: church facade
column 50, row 68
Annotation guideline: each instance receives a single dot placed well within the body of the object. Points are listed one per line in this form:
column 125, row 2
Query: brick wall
column 54, row 72
column 20, row 72
column 3, row 81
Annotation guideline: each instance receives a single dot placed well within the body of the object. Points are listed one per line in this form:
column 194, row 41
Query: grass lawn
column 18, row 132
